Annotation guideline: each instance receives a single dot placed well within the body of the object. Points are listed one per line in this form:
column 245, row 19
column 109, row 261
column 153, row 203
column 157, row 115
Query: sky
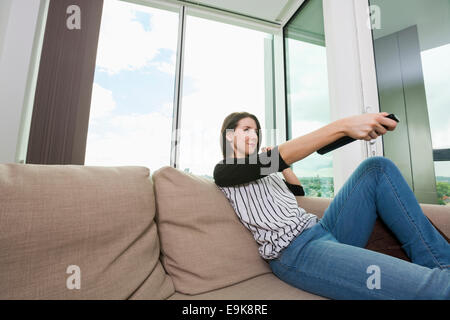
column 133, row 91
column 133, row 87
column 309, row 101
column 436, row 71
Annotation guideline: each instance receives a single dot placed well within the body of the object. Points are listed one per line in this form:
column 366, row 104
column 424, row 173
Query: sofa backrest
column 204, row 246
column 67, row 225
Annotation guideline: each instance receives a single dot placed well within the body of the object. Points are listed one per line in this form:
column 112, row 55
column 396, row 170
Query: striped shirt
column 263, row 201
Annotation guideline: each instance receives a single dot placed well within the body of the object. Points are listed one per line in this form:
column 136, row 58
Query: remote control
column 346, row 140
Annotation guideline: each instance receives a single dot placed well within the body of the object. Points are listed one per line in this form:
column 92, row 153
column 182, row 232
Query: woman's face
column 245, row 137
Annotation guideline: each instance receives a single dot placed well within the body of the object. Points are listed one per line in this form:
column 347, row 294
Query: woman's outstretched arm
column 366, row 126
column 301, row 147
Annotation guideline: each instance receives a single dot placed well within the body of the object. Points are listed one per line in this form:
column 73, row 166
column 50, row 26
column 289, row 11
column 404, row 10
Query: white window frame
column 352, row 78
column 19, row 64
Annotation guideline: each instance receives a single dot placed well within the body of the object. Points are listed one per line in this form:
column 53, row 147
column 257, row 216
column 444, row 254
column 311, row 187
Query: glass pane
column 436, row 71
column 412, row 50
column 132, row 99
column 223, row 73
column 442, row 169
column 307, row 94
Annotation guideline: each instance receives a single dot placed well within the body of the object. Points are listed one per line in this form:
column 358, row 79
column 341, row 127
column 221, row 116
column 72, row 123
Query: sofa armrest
column 439, row 216
column 314, row 205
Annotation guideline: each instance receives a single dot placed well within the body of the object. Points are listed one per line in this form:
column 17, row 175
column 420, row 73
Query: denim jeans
column 329, row 258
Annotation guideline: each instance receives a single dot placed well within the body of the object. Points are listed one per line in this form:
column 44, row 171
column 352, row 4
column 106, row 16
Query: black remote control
column 346, row 140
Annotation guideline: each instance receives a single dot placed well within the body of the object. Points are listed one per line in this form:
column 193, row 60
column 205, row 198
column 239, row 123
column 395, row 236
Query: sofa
column 96, row 232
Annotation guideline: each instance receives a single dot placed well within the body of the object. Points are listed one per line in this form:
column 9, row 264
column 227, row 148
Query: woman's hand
column 368, row 126
column 264, row 149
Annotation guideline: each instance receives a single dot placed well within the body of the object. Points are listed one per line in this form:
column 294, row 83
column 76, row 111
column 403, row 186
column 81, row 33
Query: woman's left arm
column 290, row 176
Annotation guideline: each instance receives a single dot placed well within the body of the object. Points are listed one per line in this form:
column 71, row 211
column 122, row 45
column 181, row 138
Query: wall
column 5, row 7
column 18, row 25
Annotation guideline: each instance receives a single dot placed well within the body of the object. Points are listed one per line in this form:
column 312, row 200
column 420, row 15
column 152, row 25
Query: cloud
column 166, row 67
column 124, row 44
column 302, row 127
column 440, row 138
column 138, row 139
column 131, row 139
column 102, row 102
column 225, row 65
column 308, row 81
column 223, row 58
column 436, row 68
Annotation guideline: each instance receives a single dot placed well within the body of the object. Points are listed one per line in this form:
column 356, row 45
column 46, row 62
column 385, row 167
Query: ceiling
column 274, row 11
column 432, row 21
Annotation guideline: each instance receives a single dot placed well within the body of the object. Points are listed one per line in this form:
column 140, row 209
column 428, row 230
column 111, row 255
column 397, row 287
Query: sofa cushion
column 64, row 223
column 204, row 246
column 439, row 216
column 263, row 287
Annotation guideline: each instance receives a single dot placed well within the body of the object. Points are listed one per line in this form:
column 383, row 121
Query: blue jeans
column 329, row 258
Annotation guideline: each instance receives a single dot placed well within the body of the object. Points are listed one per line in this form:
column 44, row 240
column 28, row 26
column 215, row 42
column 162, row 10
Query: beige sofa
column 121, row 233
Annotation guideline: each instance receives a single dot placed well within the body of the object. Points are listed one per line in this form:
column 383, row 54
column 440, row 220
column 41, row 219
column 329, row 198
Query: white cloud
column 222, row 58
column 167, row 67
column 436, row 68
column 124, row 44
column 302, row 127
column 134, row 139
column 102, row 102
column 441, row 138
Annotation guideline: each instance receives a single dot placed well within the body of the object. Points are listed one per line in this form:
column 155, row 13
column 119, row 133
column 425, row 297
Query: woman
column 327, row 256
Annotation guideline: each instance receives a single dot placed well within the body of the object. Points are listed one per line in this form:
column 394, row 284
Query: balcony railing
column 441, row 154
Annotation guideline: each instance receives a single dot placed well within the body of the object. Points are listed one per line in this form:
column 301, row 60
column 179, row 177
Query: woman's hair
column 231, row 122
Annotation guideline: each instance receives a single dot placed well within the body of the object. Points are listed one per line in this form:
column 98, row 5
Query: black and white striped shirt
column 264, row 202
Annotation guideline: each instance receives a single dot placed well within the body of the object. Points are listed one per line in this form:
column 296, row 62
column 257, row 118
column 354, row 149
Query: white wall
column 18, row 25
column 5, row 6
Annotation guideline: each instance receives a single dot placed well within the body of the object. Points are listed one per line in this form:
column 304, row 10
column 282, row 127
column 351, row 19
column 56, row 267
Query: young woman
column 327, row 256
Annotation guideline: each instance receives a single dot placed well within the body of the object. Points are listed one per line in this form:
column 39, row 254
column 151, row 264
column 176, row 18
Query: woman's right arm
column 357, row 127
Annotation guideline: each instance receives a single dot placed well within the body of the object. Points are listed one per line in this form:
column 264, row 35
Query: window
column 307, row 93
column 223, row 73
column 133, row 91
column 436, row 68
column 412, row 46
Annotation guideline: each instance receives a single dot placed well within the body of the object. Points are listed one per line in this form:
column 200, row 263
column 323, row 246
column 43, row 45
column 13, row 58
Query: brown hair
column 231, row 122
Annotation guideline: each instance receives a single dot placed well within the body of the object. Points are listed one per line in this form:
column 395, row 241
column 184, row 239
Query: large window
column 132, row 99
column 412, row 50
column 436, row 72
column 307, row 93
column 223, row 73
